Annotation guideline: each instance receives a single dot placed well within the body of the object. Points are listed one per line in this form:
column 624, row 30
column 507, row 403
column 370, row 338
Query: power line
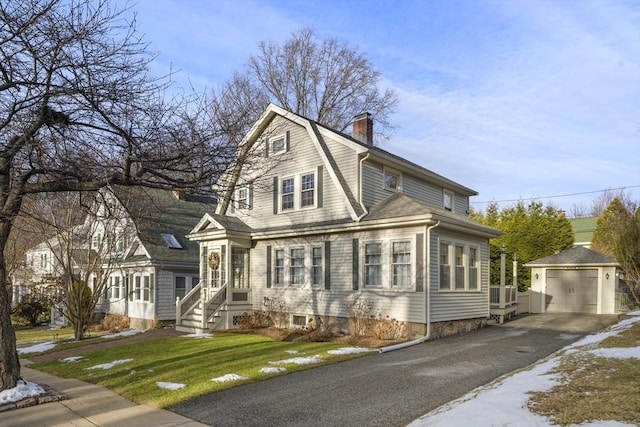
column 556, row 196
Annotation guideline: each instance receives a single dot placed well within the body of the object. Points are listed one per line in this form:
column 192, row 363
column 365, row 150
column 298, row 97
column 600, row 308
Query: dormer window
column 279, row 144
column 447, row 200
column 392, row 179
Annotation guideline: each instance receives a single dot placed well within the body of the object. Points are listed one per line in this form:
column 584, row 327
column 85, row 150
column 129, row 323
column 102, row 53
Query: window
column 459, row 267
column 297, row 266
column 146, row 288
column 373, row 264
column 137, row 288
column 278, row 145
column 316, row 265
column 115, row 293
column 307, row 193
column 401, row 263
column 180, row 286
column 279, row 267
column 287, row 193
column 242, row 198
column 464, row 274
column 447, row 200
column 171, row 241
column 95, row 241
column 445, row 266
column 392, row 179
column 473, row 269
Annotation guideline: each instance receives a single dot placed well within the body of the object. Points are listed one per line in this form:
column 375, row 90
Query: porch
column 503, row 302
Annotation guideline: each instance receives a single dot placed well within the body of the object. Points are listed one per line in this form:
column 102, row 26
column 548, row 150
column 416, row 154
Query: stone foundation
column 135, row 323
column 453, row 327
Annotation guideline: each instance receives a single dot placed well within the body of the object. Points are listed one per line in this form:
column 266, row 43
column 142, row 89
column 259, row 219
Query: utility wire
column 556, row 196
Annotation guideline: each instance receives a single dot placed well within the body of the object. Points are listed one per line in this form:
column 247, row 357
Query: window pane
column 297, row 266
column 277, row 145
column 308, row 186
column 391, row 181
column 459, row 267
column 445, row 267
column 373, row 267
column 287, row 193
column 473, row 268
column 145, row 295
column 181, row 287
column 401, row 262
column 317, row 265
column 279, row 267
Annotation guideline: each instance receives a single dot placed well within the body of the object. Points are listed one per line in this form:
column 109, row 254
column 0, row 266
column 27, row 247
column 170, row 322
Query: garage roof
column 578, row 255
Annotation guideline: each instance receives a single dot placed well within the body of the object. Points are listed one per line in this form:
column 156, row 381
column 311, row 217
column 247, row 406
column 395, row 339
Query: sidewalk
column 87, row 405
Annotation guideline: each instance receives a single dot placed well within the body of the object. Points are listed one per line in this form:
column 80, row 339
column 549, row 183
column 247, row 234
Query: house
column 133, row 247
column 583, row 229
column 576, row 280
column 315, row 221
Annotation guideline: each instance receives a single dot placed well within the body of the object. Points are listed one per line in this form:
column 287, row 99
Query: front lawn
column 28, row 334
column 187, row 366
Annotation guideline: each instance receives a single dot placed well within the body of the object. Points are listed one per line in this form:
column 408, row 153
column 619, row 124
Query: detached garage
column 577, row 280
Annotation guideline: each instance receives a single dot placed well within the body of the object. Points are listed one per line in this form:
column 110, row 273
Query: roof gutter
column 427, row 300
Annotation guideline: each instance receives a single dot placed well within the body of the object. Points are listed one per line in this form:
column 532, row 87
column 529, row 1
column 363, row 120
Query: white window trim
column 412, row 263
column 304, row 267
column 322, row 267
column 307, row 267
column 297, row 191
column 465, row 260
column 382, row 264
column 387, row 170
column 448, row 193
column 282, row 136
column 284, row 268
column 236, row 198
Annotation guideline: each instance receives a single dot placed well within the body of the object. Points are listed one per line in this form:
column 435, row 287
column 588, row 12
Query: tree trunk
column 9, row 362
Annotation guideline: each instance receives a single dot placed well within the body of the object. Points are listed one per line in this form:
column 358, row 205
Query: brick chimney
column 363, row 128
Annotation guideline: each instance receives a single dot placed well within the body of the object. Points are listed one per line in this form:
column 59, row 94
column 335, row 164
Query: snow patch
column 349, row 350
column 299, row 360
column 71, row 359
column 267, row 370
column 22, row 390
column 37, row 348
column 170, row 386
column 229, row 377
column 128, row 333
column 110, row 364
column 198, row 336
column 291, row 351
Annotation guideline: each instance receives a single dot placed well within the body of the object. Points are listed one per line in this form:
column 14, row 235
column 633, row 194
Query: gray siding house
column 318, row 220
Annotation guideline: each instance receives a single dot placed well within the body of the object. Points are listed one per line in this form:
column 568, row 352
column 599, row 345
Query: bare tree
column 78, row 111
column 326, row 81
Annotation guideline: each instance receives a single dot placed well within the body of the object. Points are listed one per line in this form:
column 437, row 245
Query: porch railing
column 212, row 305
column 503, row 296
column 188, row 303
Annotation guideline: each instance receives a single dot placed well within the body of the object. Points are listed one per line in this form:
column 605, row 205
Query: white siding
column 537, row 289
column 608, row 293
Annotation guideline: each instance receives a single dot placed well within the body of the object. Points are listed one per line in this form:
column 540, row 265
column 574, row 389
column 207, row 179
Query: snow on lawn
column 229, row 377
column 71, row 359
column 37, row 348
column 349, row 350
column 299, row 360
column 272, row 370
column 478, row 408
column 110, row 364
column 128, row 333
column 170, row 386
column 22, row 390
column 198, row 336
column 291, row 351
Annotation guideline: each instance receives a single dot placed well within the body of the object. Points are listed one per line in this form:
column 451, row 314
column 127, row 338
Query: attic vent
column 171, row 241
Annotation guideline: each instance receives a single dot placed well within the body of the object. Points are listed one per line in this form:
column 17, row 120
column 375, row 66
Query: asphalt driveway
column 393, row 389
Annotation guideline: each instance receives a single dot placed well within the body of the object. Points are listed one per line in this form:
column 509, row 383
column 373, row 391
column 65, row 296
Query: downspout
column 364, row 208
column 427, row 300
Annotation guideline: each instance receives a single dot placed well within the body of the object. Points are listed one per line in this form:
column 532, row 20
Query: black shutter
column 250, row 197
column 327, row 265
column 275, row 195
column 286, row 141
column 266, row 147
column 419, row 263
column 319, row 189
column 356, row 263
column 269, row 266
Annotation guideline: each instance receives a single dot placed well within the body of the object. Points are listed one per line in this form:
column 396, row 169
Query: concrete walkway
column 86, row 405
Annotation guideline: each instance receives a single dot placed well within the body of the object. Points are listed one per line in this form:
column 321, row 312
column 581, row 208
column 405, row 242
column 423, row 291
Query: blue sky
column 515, row 99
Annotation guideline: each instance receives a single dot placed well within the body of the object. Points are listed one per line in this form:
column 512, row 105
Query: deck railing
column 499, row 299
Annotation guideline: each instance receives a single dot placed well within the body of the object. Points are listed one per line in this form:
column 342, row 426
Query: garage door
column 572, row 291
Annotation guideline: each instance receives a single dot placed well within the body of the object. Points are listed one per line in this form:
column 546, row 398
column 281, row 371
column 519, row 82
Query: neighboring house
column 317, row 220
column 137, row 237
column 583, row 229
column 576, row 280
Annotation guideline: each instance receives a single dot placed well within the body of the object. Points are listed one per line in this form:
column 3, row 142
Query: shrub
column 278, row 312
column 30, row 311
column 389, row 329
column 255, row 319
column 113, row 323
column 362, row 315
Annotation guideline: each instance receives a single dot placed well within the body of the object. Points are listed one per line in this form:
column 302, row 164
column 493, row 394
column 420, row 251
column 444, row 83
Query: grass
column 595, row 388
column 194, row 362
column 28, row 335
